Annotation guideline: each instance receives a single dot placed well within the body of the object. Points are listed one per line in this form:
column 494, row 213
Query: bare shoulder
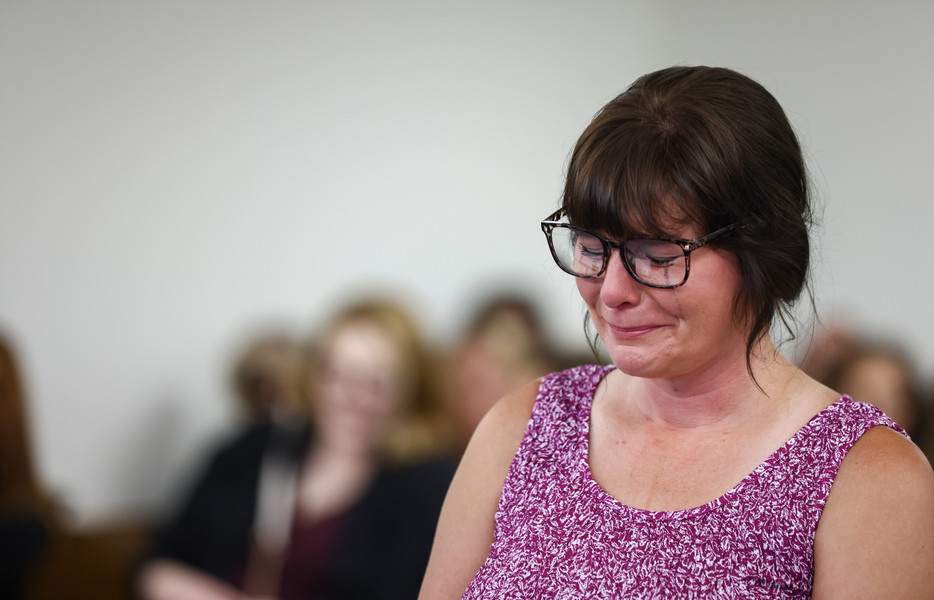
column 875, row 538
column 466, row 527
column 509, row 417
column 884, row 456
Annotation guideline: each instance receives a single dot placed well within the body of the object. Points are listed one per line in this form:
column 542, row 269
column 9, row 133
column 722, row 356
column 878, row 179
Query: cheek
column 677, row 307
column 589, row 290
column 387, row 404
column 717, row 278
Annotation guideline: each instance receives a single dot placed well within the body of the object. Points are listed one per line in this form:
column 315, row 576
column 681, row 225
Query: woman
column 503, row 347
column 344, row 511
column 698, row 465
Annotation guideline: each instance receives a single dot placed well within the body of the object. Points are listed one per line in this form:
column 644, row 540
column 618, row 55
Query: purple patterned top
column 560, row 535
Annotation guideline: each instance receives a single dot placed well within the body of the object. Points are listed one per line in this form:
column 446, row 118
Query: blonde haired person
column 341, row 507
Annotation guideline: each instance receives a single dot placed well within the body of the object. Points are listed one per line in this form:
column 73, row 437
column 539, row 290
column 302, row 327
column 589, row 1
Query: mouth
column 632, row 332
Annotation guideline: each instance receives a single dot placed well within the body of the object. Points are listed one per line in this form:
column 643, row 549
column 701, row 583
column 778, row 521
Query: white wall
column 173, row 174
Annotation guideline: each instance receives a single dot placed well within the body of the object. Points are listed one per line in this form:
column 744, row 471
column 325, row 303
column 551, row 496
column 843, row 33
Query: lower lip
column 631, row 333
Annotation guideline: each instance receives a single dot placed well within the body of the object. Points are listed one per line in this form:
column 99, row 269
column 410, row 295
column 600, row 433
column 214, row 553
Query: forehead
column 363, row 347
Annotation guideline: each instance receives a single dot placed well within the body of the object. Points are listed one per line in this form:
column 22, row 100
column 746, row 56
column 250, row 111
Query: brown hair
column 707, row 146
column 267, row 376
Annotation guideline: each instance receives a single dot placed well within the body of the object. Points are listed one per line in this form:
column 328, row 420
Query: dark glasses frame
column 551, row 222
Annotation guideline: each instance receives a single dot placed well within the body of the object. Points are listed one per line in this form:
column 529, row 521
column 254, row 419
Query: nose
column 619, row 287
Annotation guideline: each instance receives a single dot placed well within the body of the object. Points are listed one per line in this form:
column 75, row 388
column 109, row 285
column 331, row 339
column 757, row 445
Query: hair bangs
column 624, row 187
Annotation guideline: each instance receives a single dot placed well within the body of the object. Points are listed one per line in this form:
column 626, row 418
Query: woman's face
column 677, row 333
column 360, row 387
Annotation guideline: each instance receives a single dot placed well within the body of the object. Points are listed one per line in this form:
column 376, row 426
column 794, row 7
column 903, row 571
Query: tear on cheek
column 680, row 308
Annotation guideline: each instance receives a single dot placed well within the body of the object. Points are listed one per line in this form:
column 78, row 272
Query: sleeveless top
column 559, row 534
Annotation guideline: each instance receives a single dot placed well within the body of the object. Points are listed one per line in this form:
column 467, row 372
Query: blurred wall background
column 175, row 175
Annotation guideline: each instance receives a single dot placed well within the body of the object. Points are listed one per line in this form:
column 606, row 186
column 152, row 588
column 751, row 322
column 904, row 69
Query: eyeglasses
column 657, row 263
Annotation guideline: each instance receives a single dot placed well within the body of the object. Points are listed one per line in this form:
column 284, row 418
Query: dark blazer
column 385, row 542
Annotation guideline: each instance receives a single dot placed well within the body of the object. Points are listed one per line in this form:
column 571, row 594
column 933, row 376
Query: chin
column 643, row 362
column 634, row 367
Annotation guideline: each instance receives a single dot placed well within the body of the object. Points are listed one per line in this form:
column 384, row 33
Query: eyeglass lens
column 653, row 262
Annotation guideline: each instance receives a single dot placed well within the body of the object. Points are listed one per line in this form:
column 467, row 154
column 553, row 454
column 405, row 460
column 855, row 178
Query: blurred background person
column 344, row 506
column 27, row 514
column 870, row 369
column 503, row 346
column 267, row 379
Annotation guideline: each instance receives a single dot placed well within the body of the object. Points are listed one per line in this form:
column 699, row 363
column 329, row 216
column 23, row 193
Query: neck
column 720, row 397
column 332, row 480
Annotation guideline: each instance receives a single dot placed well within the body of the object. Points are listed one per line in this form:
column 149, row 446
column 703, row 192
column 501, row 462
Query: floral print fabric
column 560, row 535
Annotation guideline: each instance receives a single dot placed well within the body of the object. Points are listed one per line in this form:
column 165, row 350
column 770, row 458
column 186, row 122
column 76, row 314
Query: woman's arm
column 465, row 528
column 875, row 538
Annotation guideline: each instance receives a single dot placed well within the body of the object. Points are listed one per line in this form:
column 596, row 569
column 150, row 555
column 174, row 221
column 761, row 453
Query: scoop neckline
column 684, row 513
